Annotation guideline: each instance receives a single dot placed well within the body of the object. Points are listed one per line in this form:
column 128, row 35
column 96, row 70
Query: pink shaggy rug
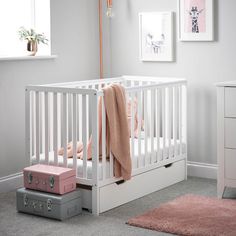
column 191, row 215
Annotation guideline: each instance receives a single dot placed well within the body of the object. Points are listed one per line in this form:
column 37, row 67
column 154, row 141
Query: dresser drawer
column 230, row 163
column 230, row 132
column 230, row 102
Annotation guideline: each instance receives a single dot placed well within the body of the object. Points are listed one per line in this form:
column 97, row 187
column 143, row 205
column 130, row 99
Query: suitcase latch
column 30, row 177
column 49, row 204
column 51, row 181
column 26, row 201
column 34, row 204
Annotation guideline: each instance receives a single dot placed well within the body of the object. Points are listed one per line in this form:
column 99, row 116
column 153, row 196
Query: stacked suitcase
column 49, row 191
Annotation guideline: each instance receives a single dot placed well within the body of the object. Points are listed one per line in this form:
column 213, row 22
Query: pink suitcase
column 52, row 179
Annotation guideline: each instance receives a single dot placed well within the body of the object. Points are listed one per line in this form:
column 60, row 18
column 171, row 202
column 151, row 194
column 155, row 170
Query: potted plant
column 32, row 38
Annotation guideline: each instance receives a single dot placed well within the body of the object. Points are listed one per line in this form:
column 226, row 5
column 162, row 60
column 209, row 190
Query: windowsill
column 24, row 58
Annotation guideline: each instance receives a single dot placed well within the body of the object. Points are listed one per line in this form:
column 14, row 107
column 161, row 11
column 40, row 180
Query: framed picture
column 156, row 36
column 195, row 20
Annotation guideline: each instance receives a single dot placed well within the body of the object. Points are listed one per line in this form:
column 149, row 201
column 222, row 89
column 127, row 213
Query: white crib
column 59, row 113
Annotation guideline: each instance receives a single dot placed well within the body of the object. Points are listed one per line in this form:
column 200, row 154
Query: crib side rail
column 158, row 80
column 95, row 82
column 56, row 116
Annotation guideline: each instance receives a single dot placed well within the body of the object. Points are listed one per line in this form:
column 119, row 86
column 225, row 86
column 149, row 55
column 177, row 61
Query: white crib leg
column 95, row 200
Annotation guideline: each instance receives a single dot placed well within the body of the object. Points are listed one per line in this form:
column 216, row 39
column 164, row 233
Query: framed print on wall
column 156, row 36
column 195, row 20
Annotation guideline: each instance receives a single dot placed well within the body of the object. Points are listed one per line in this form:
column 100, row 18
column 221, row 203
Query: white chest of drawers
column 226, row 136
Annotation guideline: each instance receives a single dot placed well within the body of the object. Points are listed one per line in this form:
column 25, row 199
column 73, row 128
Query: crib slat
column 175, row 121
column 145, row 128
column 158, row 115
column 139, row 160
column 59, row 120
column 80, row 117
column 87, row 116
column 46, row 127
column 34, row 121
column 50, row 111
column 41, row 124
column 74, row 131
column 152, row 126
column 84, row 131
column 67, row 116
column 170, row 106
column 180, row 120
column 163, row 122
column 30, row 103
column 103, row 139
column 71, row 117
column 132, row 126
column 111, row 165
column 37, row 126
column 64, row 128
column 55, row 128
column 27, row 122
column 77, row 115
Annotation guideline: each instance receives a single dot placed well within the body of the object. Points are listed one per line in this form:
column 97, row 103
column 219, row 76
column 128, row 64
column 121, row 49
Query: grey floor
column 109, row 223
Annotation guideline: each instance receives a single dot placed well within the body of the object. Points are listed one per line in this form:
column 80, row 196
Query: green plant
column 31, row 35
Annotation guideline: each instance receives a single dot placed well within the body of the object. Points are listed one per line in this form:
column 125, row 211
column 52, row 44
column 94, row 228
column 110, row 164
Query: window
column 28, row 13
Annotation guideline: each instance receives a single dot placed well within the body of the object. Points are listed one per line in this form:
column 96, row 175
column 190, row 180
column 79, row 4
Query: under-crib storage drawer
column 114, row 195
column 230, row 133
column 230, row 98
column 230, row 163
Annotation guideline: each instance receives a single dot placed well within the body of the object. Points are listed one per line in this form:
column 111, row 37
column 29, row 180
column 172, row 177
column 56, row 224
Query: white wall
column 75, row 40
column 202, row 63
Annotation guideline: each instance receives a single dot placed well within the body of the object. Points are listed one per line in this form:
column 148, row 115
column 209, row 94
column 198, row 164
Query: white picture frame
column 195, row 20
column 156, row 36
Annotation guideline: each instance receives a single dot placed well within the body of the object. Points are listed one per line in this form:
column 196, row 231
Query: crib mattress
column 163, row 153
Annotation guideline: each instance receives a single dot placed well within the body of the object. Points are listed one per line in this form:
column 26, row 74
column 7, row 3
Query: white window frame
column 33, row 20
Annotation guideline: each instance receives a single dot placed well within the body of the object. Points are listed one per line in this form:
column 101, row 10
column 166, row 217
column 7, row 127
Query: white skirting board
column 202, row 170
column 11, row 182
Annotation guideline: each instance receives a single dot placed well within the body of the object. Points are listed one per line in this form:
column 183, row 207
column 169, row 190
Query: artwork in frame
column 195, row 20
column 156, row 36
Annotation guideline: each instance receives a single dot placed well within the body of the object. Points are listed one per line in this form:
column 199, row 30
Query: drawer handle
column 168, row 165
column 120, row 182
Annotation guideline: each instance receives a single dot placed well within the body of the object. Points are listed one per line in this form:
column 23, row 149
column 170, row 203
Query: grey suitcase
column 49, row 205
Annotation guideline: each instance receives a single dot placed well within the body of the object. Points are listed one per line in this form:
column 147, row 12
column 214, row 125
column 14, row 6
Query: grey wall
column 201, row 63
column 74, row 26
column 75, row 40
